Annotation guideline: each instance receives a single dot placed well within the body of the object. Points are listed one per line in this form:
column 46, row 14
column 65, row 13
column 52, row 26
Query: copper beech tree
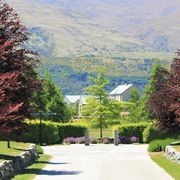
column 18, row 79
column 164, row 103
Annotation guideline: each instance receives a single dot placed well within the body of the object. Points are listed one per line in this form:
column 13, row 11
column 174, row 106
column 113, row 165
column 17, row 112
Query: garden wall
column 9, row 168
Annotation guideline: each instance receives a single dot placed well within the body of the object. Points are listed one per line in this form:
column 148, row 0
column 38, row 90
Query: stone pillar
column 86, row 138
column 116, row 138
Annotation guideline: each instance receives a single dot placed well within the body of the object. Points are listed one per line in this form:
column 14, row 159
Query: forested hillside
column 75, row 37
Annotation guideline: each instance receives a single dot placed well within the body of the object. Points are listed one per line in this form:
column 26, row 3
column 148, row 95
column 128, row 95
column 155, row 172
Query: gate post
column 116, row 137
column 86, row 137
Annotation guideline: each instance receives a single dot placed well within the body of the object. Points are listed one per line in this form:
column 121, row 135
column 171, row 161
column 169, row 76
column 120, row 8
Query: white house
column 82, row 102
column 123, row 92
column 71, row 99
column 79, row 99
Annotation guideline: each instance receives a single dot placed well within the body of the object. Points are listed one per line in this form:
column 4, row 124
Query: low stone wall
column 172, row 154
column 9, row 168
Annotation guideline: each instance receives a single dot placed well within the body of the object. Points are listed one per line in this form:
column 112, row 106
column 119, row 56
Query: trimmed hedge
column 151, row 133
column 70, row 130
column 160, row 144
column 49, row 132
column 52, row 132
column 136, row 129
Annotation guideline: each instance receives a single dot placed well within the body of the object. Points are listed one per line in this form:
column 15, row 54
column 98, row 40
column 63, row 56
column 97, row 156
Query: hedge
column 160, row 144
column 49, row 132
column 70, row 130
column 152, row 133
column 129, row 130
column 52, row 132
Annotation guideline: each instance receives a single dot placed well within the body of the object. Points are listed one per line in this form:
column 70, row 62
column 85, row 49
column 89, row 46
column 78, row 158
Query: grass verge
column 96, row 134
column 34, row 169
column 170, row 167
column 16, row 148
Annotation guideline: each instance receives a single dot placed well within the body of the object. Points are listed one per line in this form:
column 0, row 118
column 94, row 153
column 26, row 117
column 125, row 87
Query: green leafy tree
column 98, row 104
column 140, row 111
column 134, row 96
column 50, row 99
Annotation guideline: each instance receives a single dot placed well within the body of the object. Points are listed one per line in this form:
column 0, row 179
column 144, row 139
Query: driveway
column 101, row 162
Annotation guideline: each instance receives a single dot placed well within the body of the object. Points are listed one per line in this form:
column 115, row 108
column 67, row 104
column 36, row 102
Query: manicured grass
column 96, row 133
column 34, row 169
column 172, row 168
column 16, row 148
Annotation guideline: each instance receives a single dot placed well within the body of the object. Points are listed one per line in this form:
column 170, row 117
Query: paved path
column 101, row 162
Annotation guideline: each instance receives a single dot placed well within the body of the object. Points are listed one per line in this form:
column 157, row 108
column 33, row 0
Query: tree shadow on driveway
column 54, row 173
column 49, row 172
column 55, row 163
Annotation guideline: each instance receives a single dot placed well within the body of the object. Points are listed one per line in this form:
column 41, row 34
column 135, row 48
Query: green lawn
column 172, row 168
column 96, row 133
column 16, row 148
column 34, row 169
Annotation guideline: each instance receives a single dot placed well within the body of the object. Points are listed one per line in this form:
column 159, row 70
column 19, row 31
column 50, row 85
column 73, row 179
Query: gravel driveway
column 101, row 162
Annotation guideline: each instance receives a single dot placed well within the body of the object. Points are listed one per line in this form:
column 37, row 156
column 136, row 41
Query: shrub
column 49, row 132
column 70, row 130
column 69, row 140
column 134, row 139
column 93, row 140
column 80, row 140
column 160, row 144
column 106, row 140
column 152, row 133
column 129, row 130
column 39, row 149
column 125, row 140
column 72, row 140
column 99, row 141
column 52, row 132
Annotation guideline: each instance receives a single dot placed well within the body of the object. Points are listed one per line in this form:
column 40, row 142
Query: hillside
column 123, row 35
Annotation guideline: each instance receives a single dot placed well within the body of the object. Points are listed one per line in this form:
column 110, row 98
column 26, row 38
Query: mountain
column 77, row 36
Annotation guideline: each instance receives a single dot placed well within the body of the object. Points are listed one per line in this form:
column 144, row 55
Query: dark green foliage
column 74, row 81
column 70, row 130
column 134, row 96
column 140, row 111
column 49, row 132
column 129, row 130
column 160, row 144
column 151, row 133
column 50, row 99
column 52, row 132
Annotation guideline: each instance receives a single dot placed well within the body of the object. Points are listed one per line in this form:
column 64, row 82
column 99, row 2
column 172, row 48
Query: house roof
column 72, row 98
column 121, row 88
